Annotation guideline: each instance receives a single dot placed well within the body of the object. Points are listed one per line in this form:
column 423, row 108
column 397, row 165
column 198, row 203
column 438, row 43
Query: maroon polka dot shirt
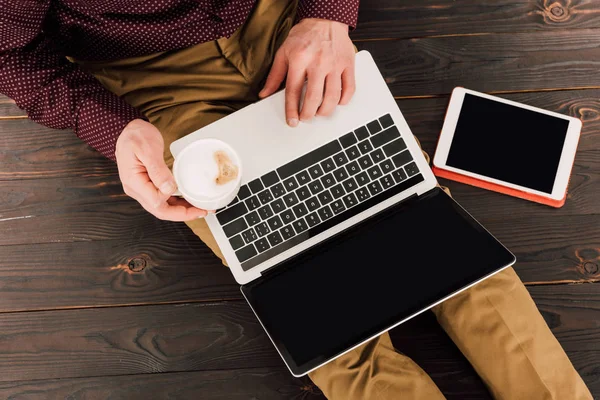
column 36, row 35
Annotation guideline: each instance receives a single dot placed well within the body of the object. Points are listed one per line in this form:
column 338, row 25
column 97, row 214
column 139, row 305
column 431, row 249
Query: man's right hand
column 145, row 175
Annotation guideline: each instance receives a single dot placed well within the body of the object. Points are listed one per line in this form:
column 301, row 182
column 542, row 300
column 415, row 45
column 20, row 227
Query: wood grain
column 382, row 19
column 491, row 63
column 8, row 108
column 273, row 383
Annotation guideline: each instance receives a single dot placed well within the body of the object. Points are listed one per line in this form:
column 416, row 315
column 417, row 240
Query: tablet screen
column 371, row 277
column 508, row 143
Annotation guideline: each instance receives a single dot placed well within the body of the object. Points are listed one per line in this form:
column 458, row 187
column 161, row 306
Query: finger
column 293, row 90
column 348, row 84
column 177, row 212
column 276, row 75
column 158, row 172
column 313, row 96
column 333, row 91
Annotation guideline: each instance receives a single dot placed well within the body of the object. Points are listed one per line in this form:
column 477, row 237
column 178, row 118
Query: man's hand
column 146, row 177
column 322, row 52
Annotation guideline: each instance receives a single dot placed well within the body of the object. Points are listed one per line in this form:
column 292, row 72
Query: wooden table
column 99, row 299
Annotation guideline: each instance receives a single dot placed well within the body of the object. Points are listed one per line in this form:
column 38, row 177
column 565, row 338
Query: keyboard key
column 340, row 159
column 315, row 187
column 328, row 180
column 374, row 127
column 287, row 232
column 265, row 196
column 338, row 206
column 348, row 140
column 252, row 203
column 375, row 188
column 362, row 178
column 278, row 190
column 236, row 242
column 328, row 165
column 303, row 193
column 244, row 192
column 300, row 210
column 235, row 227
column 386, row 181
column 374, row 172
column 365, row 147
column 386, row 121
column 340, row 174
column 386, row 136
column 315, row 171
column 399, row 175
column 313, row 219
column 245, row 253
column 362, row 133
column 353, row 153
column 411, row 169
column 261, row 229
column 290, row 199
column 337, row 191
column 270, row 179
column 377, row 156
column 232, row 213
column 353, row 168
column 256, row 186
column 350, row 200
column 249, row 235
column 303, row 178
column 300, row 226
column 309, row 159
column 278, row 206
column 325, row 197
column 287, row 216
column 265, row 212
column 275, row 223
column 290, row 184
column 312, row 203
column 387, row 166
column 402, row 158
column 275, row 238
column 252, row 218
column 325, row 213
column 365, row 161
column 394, row 147
column 350, row 185
column 262, row 245
column 362, row 194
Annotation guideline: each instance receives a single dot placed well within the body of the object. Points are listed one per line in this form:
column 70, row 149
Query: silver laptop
column 339, row 231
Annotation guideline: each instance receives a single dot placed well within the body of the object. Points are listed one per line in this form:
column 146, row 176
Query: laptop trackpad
column 371, row 277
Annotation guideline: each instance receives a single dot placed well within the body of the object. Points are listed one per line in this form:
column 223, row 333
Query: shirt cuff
column 101, row 119
column 345, row 11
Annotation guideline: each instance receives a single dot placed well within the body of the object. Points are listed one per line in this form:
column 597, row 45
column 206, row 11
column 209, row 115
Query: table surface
column 100, row 299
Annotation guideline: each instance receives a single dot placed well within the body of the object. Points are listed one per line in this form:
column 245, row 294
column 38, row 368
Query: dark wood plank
column 379, row 19
column 258, row 383
column 8, row 108
column 490, row 63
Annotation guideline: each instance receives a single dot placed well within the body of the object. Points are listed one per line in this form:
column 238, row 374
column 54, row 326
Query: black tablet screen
column 371, row 277
column 508, row 143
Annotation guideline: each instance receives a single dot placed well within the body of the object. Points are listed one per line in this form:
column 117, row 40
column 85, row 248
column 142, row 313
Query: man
column 131, row 76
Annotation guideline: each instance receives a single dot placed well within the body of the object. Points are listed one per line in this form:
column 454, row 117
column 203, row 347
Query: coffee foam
column 208, row 171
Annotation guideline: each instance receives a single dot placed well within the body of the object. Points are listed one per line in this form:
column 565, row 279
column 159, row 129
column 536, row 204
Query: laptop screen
column 371, row 277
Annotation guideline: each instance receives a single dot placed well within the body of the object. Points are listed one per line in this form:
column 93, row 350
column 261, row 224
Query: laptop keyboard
column 318, row 191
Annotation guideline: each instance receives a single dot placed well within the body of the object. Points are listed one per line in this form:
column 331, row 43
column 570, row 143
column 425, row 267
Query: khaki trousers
column 495, row 324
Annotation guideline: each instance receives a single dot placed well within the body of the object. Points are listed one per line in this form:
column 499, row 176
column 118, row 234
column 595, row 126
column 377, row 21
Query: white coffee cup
column 196, row 171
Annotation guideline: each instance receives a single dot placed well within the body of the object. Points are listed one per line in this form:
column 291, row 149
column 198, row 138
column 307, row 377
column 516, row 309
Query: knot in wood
column 557, row 11
column 137, row 264
column 590, row 268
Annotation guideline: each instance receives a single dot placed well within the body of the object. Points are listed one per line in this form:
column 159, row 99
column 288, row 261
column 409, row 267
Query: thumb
column 157, row 169
column 276, row 75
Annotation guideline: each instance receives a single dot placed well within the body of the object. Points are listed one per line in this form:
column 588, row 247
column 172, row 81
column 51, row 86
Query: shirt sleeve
column 345, row 11
column 52, row 90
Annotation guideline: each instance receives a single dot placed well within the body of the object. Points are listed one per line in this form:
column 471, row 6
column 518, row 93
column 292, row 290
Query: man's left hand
column 320, row 52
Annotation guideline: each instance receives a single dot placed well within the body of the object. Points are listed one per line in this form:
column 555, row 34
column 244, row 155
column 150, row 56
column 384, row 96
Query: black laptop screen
column 371, row 277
